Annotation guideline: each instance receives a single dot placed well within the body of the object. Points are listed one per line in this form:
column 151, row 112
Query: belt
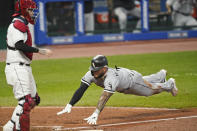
column 185, row 14
column 20, row 63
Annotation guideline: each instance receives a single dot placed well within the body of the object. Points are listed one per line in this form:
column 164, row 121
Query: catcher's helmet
column 98, row 62
column 21, row 7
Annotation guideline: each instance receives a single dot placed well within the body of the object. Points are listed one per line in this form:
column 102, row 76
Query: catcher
column 18, row 70
column 121, row 80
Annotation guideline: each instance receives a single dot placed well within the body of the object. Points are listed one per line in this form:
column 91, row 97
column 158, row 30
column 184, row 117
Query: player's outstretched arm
column 20, row 45
column 76, row 97
column 101, row 104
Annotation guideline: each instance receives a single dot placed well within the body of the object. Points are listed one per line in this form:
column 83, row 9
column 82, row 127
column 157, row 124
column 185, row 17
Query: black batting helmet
column 98, row 62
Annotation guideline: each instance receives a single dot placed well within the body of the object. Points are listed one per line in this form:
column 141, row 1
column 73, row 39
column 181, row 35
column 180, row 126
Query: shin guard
column 25, row 116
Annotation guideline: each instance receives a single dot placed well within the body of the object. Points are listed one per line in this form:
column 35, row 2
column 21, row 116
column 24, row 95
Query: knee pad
column 31, row 102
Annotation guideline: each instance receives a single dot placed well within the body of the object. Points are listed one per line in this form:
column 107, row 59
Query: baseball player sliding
column 18, row 70
column 182, row 12
column 121, row 80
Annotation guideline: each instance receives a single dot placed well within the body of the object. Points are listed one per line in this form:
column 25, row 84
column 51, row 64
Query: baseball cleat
column 9, row 126
column 165, row 72
column 173, row 90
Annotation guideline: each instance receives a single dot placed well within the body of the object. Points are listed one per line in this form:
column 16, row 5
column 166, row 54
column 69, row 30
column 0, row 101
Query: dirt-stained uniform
column 120, row 80
column 128, row 81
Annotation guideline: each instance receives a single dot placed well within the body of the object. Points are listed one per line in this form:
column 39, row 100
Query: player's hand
column 47, row 52
column 67, row 109
column 93, row 118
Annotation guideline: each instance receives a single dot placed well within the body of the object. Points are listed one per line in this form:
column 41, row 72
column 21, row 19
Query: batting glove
column 67, row 109
column 93, row 118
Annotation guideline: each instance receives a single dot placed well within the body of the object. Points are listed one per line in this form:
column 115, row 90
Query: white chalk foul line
column 115, row 124
column 124, row 123
column 90, row 107
column 53, row 127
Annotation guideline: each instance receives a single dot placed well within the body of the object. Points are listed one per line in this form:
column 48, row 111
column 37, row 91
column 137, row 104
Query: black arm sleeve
column 20, row 45
column 78, row 93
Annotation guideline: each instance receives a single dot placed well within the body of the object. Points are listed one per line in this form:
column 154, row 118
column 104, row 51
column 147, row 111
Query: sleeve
column 87, row 78
column 20, row 45
column 78, row 93
column 111, row 85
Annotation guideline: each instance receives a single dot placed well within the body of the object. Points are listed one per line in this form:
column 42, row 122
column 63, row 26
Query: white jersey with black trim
column 118, row 80
column 183, row 6
column 13, row 36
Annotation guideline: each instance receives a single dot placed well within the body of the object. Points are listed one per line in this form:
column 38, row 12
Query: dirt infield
column 112, row 119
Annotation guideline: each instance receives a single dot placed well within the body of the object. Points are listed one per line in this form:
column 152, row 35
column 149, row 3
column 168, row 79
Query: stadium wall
column 41, row 37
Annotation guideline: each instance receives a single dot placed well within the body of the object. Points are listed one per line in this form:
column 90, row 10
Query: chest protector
column 25, row 29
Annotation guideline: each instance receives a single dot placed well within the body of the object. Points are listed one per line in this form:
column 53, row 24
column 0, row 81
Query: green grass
column 58, row 79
